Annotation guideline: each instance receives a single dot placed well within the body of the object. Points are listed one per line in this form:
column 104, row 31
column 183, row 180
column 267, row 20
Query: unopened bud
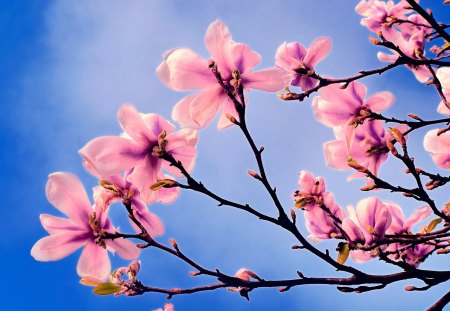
column 446, row 1
column 374, row 41
column 261, row 149
column 407, row 194
column 395, row 133
column 108, row 186
column 254, row 174
column 442, row 131
column 293, row 215
column 133, row 269
column 410, row 288
column 368, row 187
column 415, row 117
column 194, row 273
column 284, row 289
column 174, row 244
column 297, row 247
column 391, row 147
column 443, row 251
column 355, row 165
column 300, row 275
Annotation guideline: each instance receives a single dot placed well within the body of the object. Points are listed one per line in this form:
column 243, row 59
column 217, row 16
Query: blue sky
column 65, row 69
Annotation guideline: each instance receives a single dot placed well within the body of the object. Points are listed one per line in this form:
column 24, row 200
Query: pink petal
column 181, row 145
column 132, row 123
column 418, row 215
column 58, row 246
column 387, row 58
column 183, row 69
column 144, row 175
column 243, row 58
column 124, row 248
column 318, row 50
column 380, row 101
column 94, row 262
column 55, row 225
column 269, row 80
column 336, row 154
column 227, row 108
column 218, row 40
column 150, row 221
column 290, row 55
column 67, row 194
column 157, row 124
column 442, row 108
column 111, row 155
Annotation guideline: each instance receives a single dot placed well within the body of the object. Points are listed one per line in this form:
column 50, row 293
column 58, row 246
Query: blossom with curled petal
column 146, row 137
column 117, row 188
column 439, row 147
column 182, row 69
column 293, row 57
column 83, row 227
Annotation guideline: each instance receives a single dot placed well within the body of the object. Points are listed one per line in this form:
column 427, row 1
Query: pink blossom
column 378, row 15
column 443, row 74
column 412, row 47
column 417, row 254
column 293, row 57
column 439, row 147
column 119, row 188
column 182, row 69
column 146, row 138
column 348, row 108
column 368, row 148
column 82, row 228
column 311, row 191
column 322, row 223
column 401, row 225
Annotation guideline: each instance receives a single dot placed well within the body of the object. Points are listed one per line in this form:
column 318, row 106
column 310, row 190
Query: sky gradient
column 67, row 66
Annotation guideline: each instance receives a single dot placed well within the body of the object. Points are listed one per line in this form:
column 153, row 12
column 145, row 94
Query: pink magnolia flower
column 439, row 147
column 366, row 225
column 146, row 137
column 82, row 228
column 321, row 223
column 311, row 191
column 400, row 224
column 293, row 57
column 412, row 47
column 119, row 188
column 378, row 15
column 348, row 107
column 182, row 70
column 414, row 256
column 167, row 307
column 368, row 148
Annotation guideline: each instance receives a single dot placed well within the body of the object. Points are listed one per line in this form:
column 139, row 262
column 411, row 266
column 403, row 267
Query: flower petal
column 380, row 101
column 58, row 246
column 183, row 69
column 132, row 123
column 55, row 225
column 94, row 262
column 218, row 40
column 67, row 194
column 124, row 248
column 110, row 155
column 318, row 50
column 269, row 80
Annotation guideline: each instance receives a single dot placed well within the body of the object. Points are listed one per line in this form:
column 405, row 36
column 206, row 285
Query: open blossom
column 402, row 225
column 348, row 107
column 182, row 69
column 379, row 15
column 368, row 147
column 145, row 139
column 443, row 74
column 366, row 224
column 82, row 228
column 117, row 188
column 412, row 47
column 293, row 57
column 439, row 147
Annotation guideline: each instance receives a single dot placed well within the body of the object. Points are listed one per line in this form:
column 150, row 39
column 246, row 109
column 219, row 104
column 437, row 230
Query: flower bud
column 397, row 135
column 355, row 165
column 410, row 288
column 374, row 41
column 391, row 147
column 231, row 118
column 254, row 174
column 133, row 269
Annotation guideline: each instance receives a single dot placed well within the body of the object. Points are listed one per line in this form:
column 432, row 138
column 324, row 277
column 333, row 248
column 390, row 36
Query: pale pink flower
column 366, row 225
column 439, row 147
column 146, row 137
column 119, row 188
column 401, row 225
column 368, row 148
column 293, row 57
column 244, row 274
column 378, row 15
column 311, row 191
column 320, row 223
column 182, row 69
column 82, row 228
column 347, row 108
column 412, row 47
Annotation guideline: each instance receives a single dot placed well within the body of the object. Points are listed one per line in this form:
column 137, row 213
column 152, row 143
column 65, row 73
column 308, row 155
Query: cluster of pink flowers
column 364, row 226
column 397, row 24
